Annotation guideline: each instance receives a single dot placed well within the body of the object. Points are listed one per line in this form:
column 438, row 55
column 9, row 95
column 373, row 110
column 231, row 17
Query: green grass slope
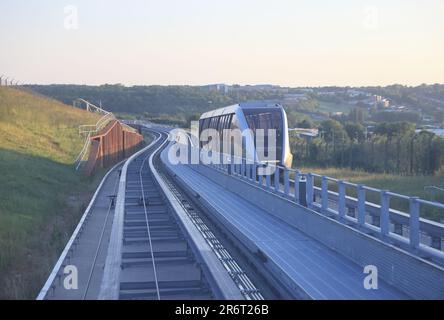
column 41, row 195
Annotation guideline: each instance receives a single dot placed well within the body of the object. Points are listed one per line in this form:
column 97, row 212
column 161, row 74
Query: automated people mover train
column 252, row 116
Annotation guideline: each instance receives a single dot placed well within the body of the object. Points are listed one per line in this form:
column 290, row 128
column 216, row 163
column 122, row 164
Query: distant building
column 306, row 90
column 217, row 87
column 294, row 97
column 308, row 134
column 356, row 93
column 381, row 102
column 327, row 93
column 437, row 132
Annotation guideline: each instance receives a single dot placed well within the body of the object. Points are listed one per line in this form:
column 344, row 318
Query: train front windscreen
column 266, row 119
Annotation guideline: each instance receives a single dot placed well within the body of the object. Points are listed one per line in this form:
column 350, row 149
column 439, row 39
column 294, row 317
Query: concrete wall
column 414, row 276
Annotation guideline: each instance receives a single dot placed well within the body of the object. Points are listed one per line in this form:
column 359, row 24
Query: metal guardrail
column 91, row 107
column 332, row 197
column 90, row 130
column 95, row 128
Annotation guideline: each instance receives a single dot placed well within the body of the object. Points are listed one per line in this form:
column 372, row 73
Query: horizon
column 230, row 85
column 287, row 43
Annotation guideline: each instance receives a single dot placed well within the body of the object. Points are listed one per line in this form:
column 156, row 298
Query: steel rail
column 110, row 282
column 148, row 225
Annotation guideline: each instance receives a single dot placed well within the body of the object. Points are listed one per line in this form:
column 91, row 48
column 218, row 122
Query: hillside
column 173, row 103
column 41, row 196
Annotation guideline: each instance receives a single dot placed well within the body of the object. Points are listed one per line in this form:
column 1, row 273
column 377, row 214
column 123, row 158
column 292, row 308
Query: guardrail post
column 277, row 182
column 232, row 168
column 414, row 222
column 189, row 152
column 286, row 182
column 436, row 242
column 361, row 205
column 385, row 213
column 254, row 172
column 268, row 180
column 243, row 168
column 398, row 228
column 248, row 168
column 341, row 208
column 310, row 190
column 324, row 194
column 297, row 177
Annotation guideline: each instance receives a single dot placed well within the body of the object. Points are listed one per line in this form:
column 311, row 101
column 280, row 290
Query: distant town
column 322, row 103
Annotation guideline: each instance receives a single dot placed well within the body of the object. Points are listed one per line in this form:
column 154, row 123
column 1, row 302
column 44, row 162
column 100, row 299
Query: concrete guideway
column 154, row 251
column 151, row 247
column 306, row 266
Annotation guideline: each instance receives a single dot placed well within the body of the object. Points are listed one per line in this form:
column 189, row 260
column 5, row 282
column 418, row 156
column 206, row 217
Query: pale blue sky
column 286, row 42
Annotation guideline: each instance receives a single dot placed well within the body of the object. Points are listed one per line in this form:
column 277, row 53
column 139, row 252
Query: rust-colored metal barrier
column 113, row 144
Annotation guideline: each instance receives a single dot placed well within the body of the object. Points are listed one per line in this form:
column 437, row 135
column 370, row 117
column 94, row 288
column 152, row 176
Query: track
column 151, row 242
column 157, row 262
column 169, row 251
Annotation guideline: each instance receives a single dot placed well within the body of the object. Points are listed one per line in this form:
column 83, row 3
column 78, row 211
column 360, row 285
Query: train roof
column 234, row 108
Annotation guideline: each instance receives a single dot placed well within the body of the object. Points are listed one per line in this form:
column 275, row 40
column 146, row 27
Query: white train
column 252, row 116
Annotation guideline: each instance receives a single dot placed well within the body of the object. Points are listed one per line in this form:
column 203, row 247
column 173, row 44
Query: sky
column 196, row 42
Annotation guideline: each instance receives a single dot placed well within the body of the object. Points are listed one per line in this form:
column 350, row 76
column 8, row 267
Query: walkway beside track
column 89, row 249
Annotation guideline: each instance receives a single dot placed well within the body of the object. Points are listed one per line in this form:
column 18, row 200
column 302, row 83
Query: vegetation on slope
column 41, row 196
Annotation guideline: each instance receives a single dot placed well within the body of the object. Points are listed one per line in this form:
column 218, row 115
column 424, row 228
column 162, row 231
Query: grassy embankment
column 41, row 195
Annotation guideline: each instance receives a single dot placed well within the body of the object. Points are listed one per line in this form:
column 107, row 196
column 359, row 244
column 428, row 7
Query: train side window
column 230, row 119
column 216, row 123
column 219, row 125
column 221, row 128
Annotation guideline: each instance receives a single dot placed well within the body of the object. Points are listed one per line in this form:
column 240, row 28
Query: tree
column 333, row 131
column 355, row 131
column 357, row 115
column 192, row 117
column 306, row 124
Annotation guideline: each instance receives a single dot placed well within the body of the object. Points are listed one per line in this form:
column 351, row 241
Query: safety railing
column 89, row 130
column 393, row 218
column 95, row 128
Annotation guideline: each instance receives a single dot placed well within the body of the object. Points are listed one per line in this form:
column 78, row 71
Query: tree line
column 161, row 102
column 386, row 148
